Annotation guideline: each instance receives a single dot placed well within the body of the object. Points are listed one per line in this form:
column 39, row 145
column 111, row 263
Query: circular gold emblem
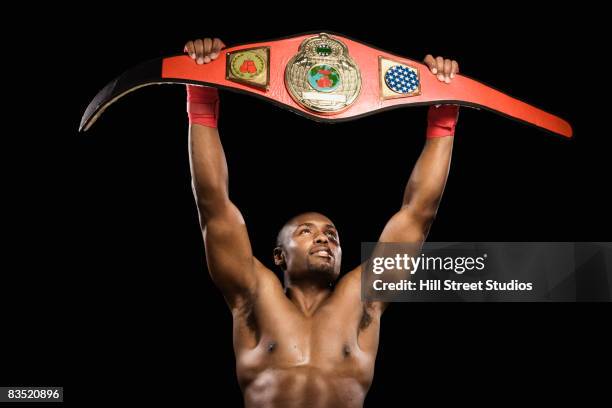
column 322, row 76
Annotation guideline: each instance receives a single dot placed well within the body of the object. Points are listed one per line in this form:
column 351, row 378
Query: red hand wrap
column 202, row 105
column 441, row 121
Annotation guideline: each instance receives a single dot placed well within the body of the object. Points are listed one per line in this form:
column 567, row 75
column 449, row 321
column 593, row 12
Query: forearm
column 208, row 168
column 422, row 194
column 207, row 158
column 428, row 179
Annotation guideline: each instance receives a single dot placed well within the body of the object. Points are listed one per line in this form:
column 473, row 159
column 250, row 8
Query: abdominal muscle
column 303, row 386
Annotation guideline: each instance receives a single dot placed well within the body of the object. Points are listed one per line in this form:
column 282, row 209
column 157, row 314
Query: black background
column 110, row 262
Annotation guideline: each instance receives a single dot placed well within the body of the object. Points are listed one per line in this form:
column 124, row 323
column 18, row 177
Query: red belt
column 320, row 83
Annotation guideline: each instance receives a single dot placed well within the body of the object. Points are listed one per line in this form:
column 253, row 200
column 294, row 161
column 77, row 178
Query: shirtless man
column 310, row 342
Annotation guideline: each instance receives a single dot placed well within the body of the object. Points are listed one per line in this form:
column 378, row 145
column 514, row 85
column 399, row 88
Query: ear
column 279, row 257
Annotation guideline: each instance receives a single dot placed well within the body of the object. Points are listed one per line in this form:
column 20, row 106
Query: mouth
column 322, row 252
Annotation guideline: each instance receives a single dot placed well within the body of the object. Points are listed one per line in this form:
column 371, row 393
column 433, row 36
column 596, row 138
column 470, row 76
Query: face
column 310, row 249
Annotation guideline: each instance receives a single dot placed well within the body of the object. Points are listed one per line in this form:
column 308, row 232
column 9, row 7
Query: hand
column 204, row 50
column 444, row 69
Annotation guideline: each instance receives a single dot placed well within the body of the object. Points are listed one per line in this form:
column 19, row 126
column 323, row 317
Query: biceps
column 228, row 252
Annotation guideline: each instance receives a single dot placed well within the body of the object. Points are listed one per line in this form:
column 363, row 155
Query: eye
column 305, row 230
column 331, row 234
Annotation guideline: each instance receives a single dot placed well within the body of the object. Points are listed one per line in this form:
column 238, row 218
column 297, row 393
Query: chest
column 323, row 338
column 329, row 341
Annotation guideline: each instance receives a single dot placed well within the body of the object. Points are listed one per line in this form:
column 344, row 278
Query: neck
column 307, row 296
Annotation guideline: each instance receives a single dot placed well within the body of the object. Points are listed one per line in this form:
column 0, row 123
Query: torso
column 285, row 358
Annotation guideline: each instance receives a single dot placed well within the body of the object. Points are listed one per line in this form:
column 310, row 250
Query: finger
column 440, row 68
column 455, row 69
column 448, row 65
column 440, row 64
column 217, row 44
column 189, row 49
column 431, row 63
column 207, row 46
column 199, row 49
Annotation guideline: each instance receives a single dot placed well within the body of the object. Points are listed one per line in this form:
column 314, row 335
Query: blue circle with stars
column 401, row 79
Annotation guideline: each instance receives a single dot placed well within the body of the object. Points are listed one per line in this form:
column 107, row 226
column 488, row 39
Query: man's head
column 308, row 249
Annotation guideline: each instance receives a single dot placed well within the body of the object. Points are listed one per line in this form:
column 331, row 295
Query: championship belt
column 324, row 77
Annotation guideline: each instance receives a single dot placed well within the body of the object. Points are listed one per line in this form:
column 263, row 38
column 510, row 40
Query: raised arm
column 422, row 195
column 426, row 184
column 228, row 249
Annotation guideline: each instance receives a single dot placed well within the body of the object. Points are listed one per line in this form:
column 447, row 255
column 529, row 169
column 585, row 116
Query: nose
column 321, row 239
